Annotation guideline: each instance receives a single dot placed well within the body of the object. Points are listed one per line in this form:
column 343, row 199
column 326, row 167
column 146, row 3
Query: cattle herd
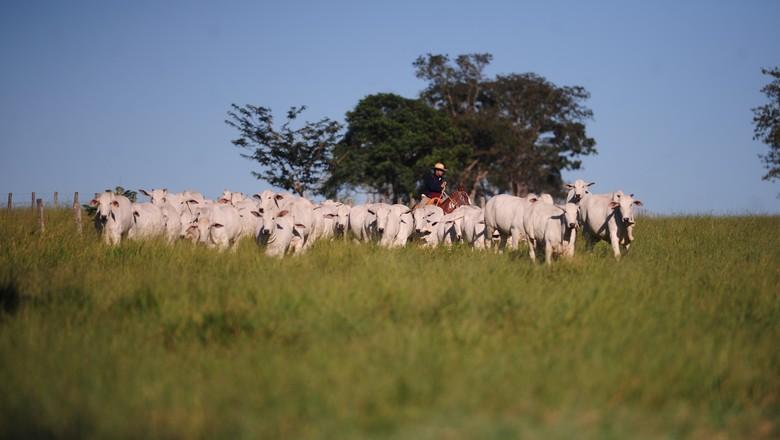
column 284, row 224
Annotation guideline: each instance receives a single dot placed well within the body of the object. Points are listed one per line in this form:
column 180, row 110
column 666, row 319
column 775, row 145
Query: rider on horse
column 433, row 191
column 434, row 183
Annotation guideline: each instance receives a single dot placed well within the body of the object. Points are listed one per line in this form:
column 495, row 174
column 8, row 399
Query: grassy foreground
column 681, row 338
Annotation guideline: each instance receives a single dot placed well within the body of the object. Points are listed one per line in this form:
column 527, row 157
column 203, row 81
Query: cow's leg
column 489, row 236
column 615, row 242
column 517, row 237
column 502, row 241
column 532, row 250
column 548, row 252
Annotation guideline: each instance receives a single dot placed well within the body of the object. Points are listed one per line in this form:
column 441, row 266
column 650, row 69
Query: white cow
column 444, row 230
column 577, row 190
column 301, row 211
column 148, row 222
column 552, row 228
column 342, row 219
column 473, row 226
column 546, row 198
column 609, row 217
column 284, row 234
column 425, row 215
column 197, row 221
column 397, row 227
column 190, row 211
column 405, row 230
column 362, row 221
column 171, row 213
column 225, row 229
column 504, row 213
column 325, row 219
column 270, row 200
column 231, row 198
column 250, row 225
column 114, row 216
column 382, row 212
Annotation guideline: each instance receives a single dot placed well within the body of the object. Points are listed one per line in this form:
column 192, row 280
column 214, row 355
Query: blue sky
column 95, row 94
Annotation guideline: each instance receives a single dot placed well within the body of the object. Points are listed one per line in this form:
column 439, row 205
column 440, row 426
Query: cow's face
column 156, row 196
column 198, row 229
column 342, row 217
column 226, row 198
column 381, row 212
column 624, row 206
column 104, row 202
column 570, row 215
column 579, row 188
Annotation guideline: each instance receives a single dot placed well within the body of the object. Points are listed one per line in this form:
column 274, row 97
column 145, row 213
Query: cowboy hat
column 439, row 166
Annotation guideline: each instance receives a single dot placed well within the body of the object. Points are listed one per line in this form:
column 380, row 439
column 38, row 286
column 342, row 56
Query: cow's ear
column 193, row 201
column 165, row 190
column 115, row 204
column 143, row 191
column 590, row 183
column 613, row 204
column 316, row 208
column 371, row 212
column 278, row 226
column 638, row 203
column 330, row 216
column 283, row 213
column 533, row 200
column 93, row 202
column 136, row 214
column 298, row 225
column 278, row 197
column 434, row 223
column 257, row 196
column 256, row 214
column 568, row 185
column 217, row 225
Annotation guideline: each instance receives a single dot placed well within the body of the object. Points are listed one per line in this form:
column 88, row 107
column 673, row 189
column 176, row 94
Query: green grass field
column 679, row 339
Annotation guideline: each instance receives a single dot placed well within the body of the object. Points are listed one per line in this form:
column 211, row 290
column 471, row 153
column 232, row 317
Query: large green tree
column 293, row 159
column 523, row 129
column 389, row 143
column 767, row 124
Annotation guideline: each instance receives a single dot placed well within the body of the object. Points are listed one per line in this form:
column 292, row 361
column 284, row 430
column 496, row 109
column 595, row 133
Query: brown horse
column 450, row 202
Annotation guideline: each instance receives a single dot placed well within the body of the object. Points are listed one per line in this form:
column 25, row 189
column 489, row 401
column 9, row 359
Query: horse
column 450, row 202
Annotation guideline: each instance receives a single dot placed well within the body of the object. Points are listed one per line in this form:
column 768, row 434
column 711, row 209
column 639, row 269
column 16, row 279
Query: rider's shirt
column 432, row 185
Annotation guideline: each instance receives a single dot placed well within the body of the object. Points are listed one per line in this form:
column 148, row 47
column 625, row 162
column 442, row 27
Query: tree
column 291, row 159
column 523, row 129
column 389, row 143
column 767, row 124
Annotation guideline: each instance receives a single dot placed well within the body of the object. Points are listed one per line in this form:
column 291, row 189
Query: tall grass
column 680, row 338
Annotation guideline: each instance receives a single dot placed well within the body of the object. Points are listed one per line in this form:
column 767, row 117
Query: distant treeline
column 510, row 133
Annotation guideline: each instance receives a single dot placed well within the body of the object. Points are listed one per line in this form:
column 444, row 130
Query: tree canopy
column 389, row 143
column 293, row 159
column 523, row 129
column 767, row 124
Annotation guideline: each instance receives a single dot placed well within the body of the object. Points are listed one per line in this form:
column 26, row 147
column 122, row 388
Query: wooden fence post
column 32, row 202
column 10, row 200
column 77, row 211
column 56, row 199
column 41, row 226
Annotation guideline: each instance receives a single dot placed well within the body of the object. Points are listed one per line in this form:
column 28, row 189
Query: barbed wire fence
column 51, row 199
